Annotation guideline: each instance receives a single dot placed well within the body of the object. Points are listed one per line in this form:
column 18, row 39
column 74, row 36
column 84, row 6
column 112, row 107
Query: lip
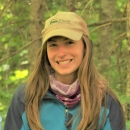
column 64, row 62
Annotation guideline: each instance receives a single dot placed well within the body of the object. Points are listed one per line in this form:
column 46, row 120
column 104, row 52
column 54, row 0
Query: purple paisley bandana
column 69, row 95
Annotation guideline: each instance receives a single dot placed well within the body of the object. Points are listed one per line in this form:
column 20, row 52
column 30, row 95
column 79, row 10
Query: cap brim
column 71, row 34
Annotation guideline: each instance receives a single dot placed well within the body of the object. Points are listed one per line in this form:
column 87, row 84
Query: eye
column 52, row 44
column 70, row 42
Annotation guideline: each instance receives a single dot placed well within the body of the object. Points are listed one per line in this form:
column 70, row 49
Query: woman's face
column 65, row 56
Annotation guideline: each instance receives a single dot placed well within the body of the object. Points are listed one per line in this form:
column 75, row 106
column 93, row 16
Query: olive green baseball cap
column 66, row 24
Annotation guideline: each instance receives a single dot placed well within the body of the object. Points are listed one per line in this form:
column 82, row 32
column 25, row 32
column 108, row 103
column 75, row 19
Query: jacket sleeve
column 114, row 120
column 14, row 115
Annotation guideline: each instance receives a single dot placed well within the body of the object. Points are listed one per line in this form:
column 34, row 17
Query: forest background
column 21, row 23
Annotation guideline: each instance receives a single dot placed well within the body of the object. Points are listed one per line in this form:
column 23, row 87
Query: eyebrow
column 53, row 40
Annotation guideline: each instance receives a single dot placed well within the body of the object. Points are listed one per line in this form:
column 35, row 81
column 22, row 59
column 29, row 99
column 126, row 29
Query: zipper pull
column 68, row 119
column 66, row 116
column 66, row 112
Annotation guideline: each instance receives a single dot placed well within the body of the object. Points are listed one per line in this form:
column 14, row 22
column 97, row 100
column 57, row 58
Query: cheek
column 82, row 49
column 50, row 56
column 82, row 56
column 82, row 52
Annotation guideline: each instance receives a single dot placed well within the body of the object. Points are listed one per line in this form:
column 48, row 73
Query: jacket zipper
column 66, row 111
column 66, row 116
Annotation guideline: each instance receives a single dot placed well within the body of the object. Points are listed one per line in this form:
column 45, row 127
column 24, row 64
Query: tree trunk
column 128, row 65
column 36, row 26
column 71, row 5
column 105, row 35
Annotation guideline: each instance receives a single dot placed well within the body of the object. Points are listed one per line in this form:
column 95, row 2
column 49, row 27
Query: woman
column 64, row 91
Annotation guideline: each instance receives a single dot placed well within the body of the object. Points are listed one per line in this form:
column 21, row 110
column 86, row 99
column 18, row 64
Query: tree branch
column 108, row 22
column 22, row 48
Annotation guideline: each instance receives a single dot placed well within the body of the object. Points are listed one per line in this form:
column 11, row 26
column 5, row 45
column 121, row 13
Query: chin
column 67, row 73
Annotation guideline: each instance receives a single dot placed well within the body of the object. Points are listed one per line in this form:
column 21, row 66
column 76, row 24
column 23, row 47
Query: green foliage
column 128, row 125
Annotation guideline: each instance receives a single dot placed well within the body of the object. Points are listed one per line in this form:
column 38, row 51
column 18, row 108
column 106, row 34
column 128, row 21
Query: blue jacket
column 52, row 114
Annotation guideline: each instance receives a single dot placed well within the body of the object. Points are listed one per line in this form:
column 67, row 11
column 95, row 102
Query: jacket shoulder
column 19, row 94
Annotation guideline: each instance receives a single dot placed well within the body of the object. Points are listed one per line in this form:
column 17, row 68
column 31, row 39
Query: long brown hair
column 92, row 85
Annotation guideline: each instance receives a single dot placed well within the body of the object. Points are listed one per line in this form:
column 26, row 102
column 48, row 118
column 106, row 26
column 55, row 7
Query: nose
column 62, row 51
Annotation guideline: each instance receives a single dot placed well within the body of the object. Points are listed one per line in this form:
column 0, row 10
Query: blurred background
column 21, row 23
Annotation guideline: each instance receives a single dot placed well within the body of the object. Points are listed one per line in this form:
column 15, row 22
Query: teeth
column 64, row 62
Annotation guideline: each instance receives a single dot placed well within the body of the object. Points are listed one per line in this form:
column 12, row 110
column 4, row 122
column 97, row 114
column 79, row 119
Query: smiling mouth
column 64, row 62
